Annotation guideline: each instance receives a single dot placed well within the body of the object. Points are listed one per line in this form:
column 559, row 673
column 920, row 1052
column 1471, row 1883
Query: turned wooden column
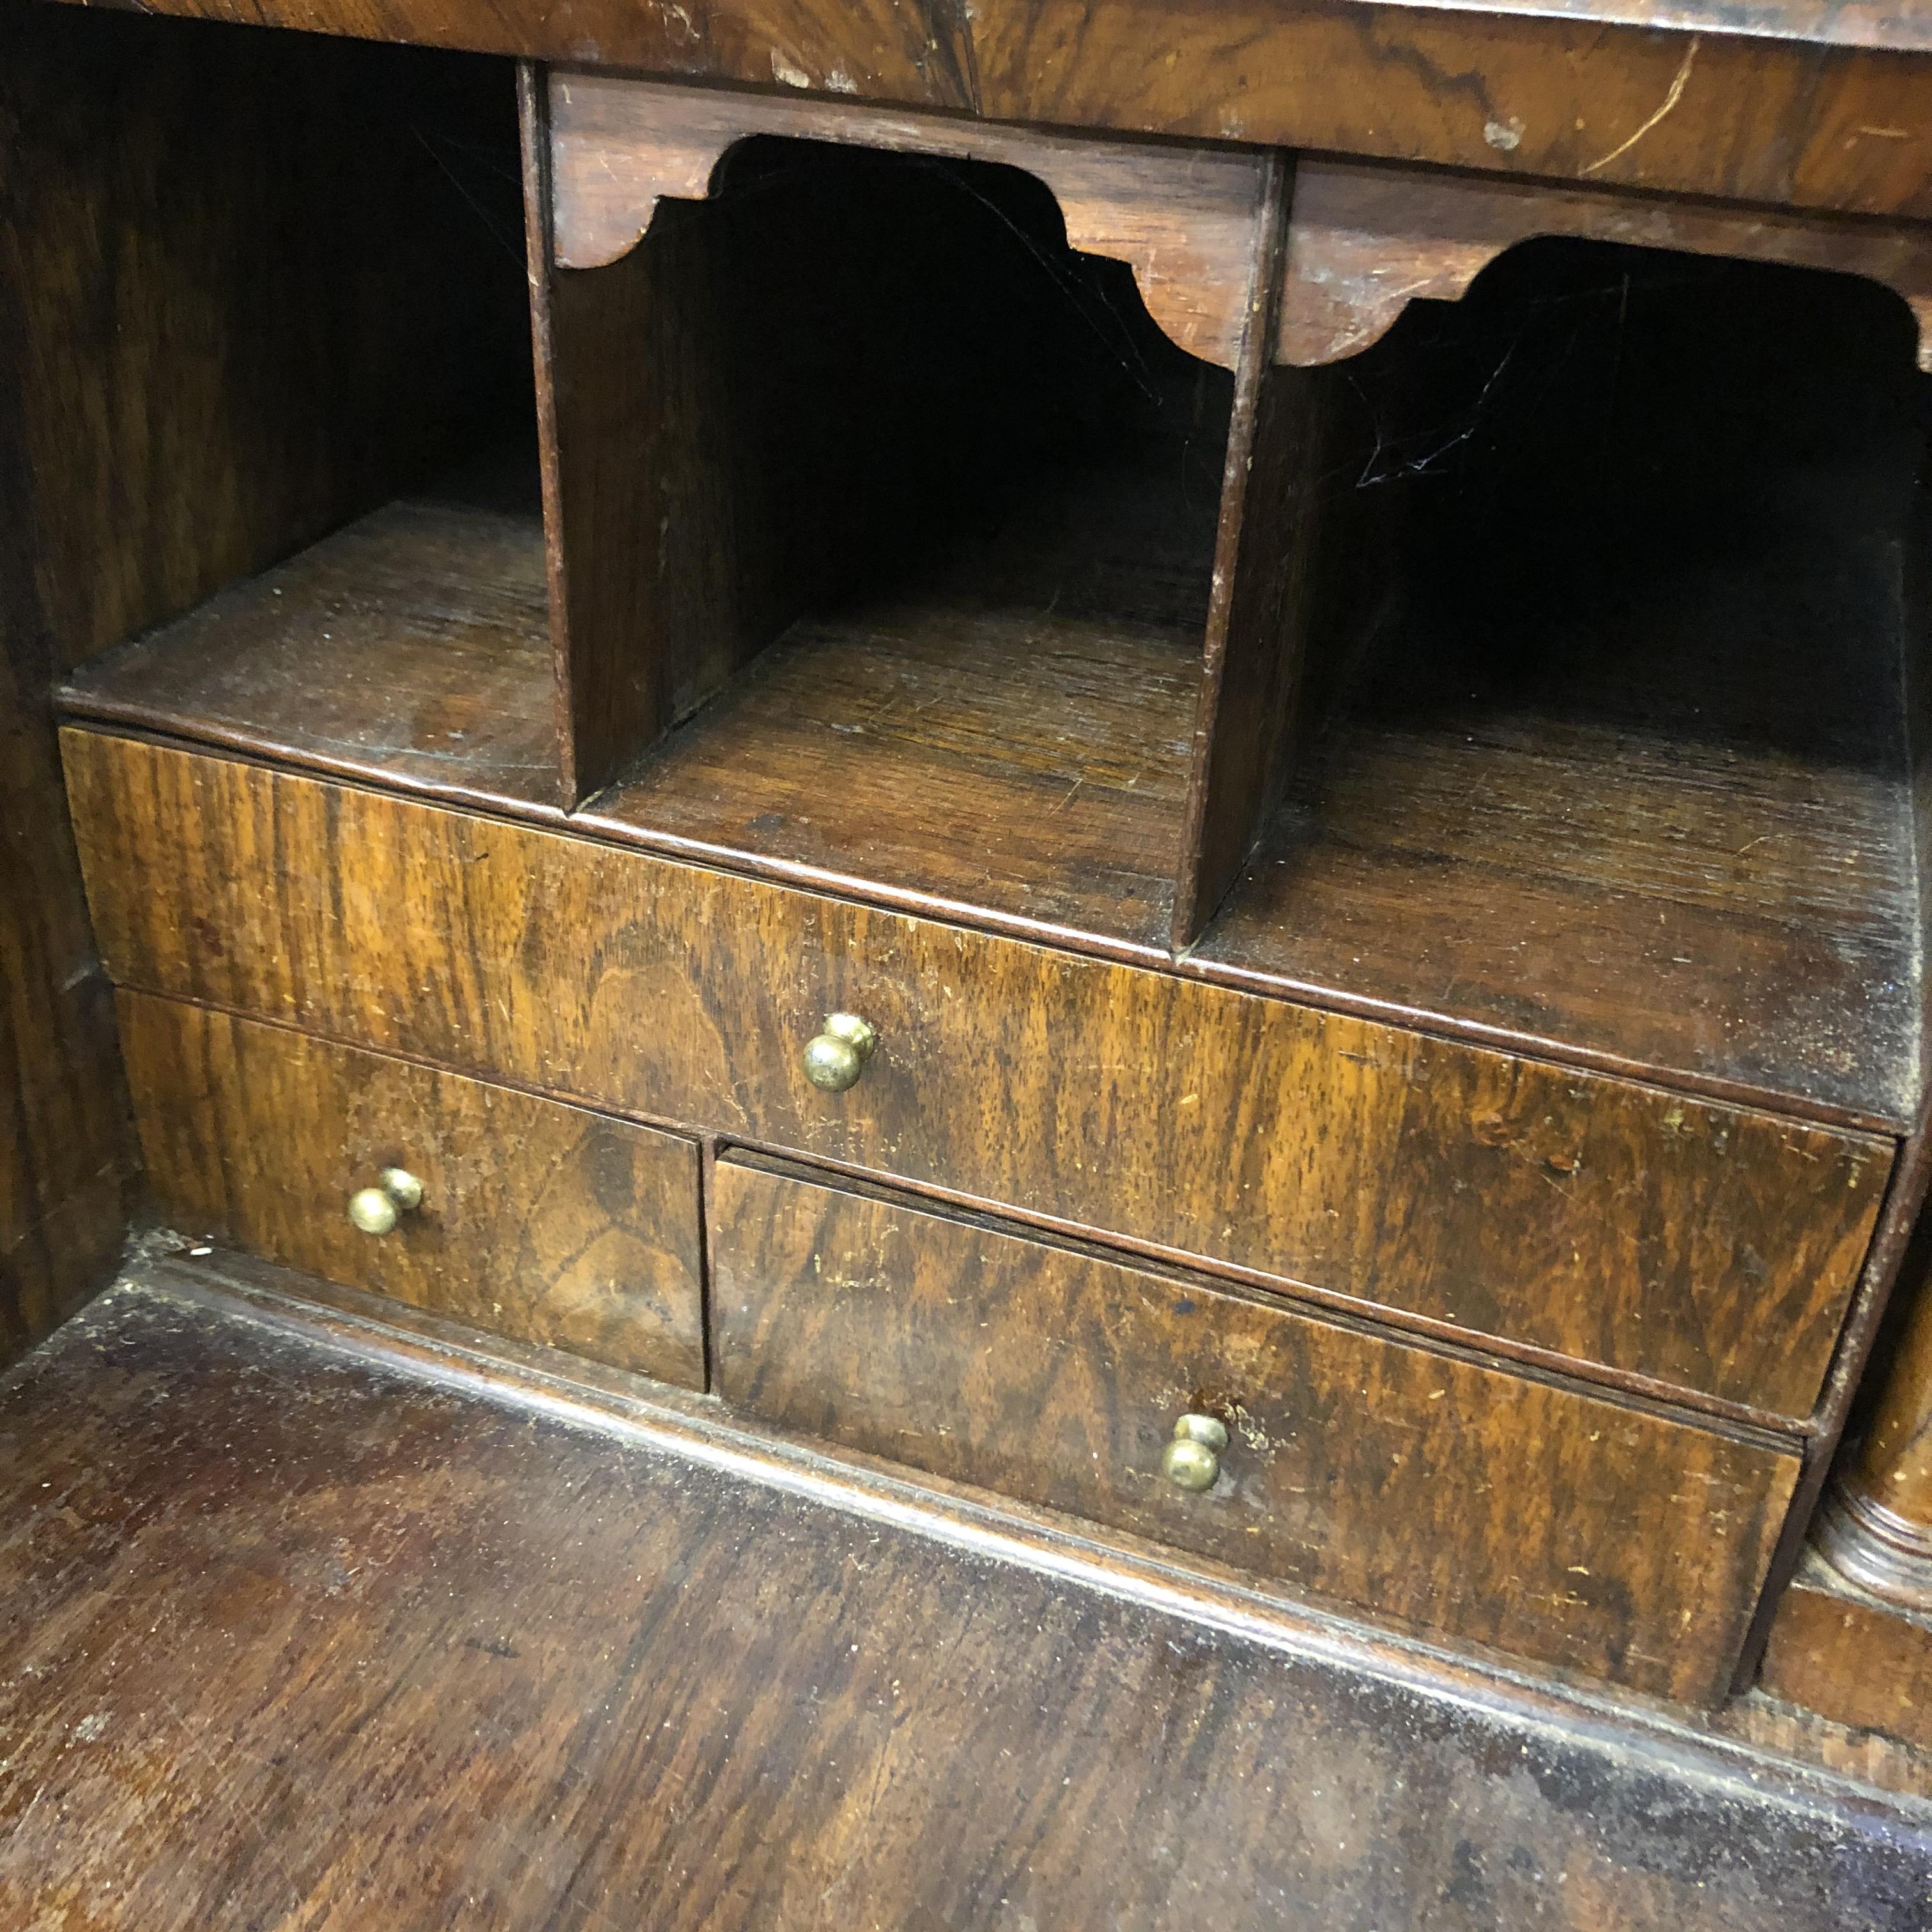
column 1876, row 1524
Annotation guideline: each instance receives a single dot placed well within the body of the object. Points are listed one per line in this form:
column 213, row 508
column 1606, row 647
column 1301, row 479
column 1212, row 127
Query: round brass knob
column 1192, row 1460
column 835, row 1058
column 374, row 1210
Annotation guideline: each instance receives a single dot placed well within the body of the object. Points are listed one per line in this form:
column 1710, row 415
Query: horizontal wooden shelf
column 1631, row 787
column 1006, row 726
column 410, row 649
column 1681, row 837
column 1003, row 729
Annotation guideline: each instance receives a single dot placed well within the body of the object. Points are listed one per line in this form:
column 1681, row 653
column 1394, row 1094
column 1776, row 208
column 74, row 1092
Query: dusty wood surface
column 298, row 1638
column 409, row 647
column 1507, row 1512
column 1855, row 1660
column 1578, row 776
column 1587, row 797
column 1483, row 1192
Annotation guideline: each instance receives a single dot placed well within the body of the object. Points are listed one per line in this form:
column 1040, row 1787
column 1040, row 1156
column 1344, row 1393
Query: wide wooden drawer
column 537, row 1221
column 1457, row 1497
column 1711, row 1247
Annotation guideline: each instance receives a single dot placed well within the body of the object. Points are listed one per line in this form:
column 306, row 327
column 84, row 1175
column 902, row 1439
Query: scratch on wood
column 1670, row 100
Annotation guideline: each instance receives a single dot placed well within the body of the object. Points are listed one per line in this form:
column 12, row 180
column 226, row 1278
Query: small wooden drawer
column 537, row 1221
column 1522, row 1513
column 1700, row 1245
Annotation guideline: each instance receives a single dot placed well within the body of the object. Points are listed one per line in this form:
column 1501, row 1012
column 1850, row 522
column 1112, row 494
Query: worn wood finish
column 539, row 1222
column 198, row 370
column 1850, row 1657
column 1187, row 221
column 1822, row 116
column 1365, row 240
column 1710, row 1247
column 1846, row 23
column 1876, row 1524
column 1523, row 1516
column 1585, row 784
column 66, row 1151
column 410, row 648
column 1252, row 650
column 666, row 570
column 227, row 361
column 67, row 1157
column 1286, row 538
column 503, row 1669
column 1890, row 1258
column 1006, row 733
column 1751, row 1732
column 756, row 420
column 1788, row 1733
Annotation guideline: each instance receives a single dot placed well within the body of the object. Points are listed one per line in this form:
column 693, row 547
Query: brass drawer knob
column 835, row 1058
column 374, row 1210
column 1192, row 1460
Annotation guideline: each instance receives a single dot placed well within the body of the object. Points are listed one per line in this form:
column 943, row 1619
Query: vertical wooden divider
column 668, row 569
column 1255, row 676
column 533, row 129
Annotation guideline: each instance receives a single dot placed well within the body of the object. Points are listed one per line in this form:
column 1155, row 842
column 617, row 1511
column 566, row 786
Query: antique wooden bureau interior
column 972, row 802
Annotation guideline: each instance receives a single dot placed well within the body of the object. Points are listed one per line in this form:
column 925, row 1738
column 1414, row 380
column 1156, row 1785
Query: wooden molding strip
column 1366, row 239
column 1186, row 221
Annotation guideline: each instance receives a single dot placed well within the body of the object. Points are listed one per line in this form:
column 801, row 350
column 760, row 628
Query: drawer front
column 1712, row 1247
column 537, row 1221
column 1538, row 1519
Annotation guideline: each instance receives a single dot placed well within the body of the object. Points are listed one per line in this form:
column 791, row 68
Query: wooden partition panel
column 724, row 371
column 239, row 303
column 1366, row 239
column 671, row 560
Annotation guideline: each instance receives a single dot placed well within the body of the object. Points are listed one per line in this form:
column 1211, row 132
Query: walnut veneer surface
column 1434, row 1488
column 1775, row 101
column 1676, row 1241
column 543, row 1222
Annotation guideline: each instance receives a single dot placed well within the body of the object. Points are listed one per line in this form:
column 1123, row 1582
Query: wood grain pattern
column 227, row 361
column 1524, row 1516
column 1874, row 1525
column 1262, row 625
column 1710, row 1247
column 1245, row 657
column 1851, row 1658
column 1365, row 240
column 1583, row 783
column 191, row 381
column 539, row 1222
column 1895, row 24
column 299, row 1637
column 757, row 421
column 1186, row 221
column 1006, row 733
column 1752, row 1730
column 410, row 648
column 1706, row 106
column 67, row 1156
column 1040, row 733
column 667, row 565
column 1894, row 1461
